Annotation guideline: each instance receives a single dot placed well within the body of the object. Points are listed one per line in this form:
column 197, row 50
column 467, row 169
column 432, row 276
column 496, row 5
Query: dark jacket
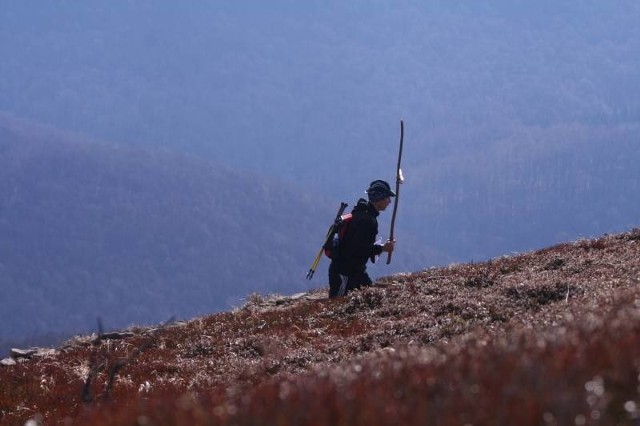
column 358, row 244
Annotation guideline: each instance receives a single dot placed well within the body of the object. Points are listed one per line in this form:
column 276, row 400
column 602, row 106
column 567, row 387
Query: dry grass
column 550, row 337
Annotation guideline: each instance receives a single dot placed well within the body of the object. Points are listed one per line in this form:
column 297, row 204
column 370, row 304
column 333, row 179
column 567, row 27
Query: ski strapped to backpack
column 328, row 241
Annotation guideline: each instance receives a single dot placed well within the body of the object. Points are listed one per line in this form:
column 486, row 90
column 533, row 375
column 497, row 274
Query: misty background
column 164, row 159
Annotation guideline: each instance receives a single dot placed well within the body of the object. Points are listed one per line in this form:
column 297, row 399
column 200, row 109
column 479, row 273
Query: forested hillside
column 532, row 188
column 91, row 230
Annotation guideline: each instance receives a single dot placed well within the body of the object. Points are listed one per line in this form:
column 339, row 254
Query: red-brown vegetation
column 549, row 337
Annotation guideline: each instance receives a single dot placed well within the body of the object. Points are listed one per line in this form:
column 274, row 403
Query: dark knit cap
column 378, row 190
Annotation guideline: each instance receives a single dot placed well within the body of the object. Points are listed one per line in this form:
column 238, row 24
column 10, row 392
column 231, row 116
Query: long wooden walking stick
column 399, row 180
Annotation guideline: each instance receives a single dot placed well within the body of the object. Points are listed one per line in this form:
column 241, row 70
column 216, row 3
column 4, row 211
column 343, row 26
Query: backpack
column 336, row 236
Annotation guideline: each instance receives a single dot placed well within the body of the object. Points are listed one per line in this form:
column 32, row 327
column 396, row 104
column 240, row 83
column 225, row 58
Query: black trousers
column 340, row 284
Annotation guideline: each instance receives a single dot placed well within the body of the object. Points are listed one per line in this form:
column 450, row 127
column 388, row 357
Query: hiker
column 348, row 270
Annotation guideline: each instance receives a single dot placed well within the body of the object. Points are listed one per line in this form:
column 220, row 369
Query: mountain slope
column 135, row 236
column 552, row 334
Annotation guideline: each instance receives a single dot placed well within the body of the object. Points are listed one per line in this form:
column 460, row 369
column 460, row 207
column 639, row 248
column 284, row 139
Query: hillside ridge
column 303, row 339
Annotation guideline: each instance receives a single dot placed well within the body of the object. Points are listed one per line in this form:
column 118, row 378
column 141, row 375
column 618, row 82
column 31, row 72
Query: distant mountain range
column 235, row 130
column 521, row 117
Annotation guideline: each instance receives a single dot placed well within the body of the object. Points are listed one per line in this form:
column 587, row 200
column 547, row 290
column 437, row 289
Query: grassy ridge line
column 586, row 373
column 488, row 335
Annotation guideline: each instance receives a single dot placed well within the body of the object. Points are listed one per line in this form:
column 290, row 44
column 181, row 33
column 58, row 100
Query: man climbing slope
column 348, row 269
